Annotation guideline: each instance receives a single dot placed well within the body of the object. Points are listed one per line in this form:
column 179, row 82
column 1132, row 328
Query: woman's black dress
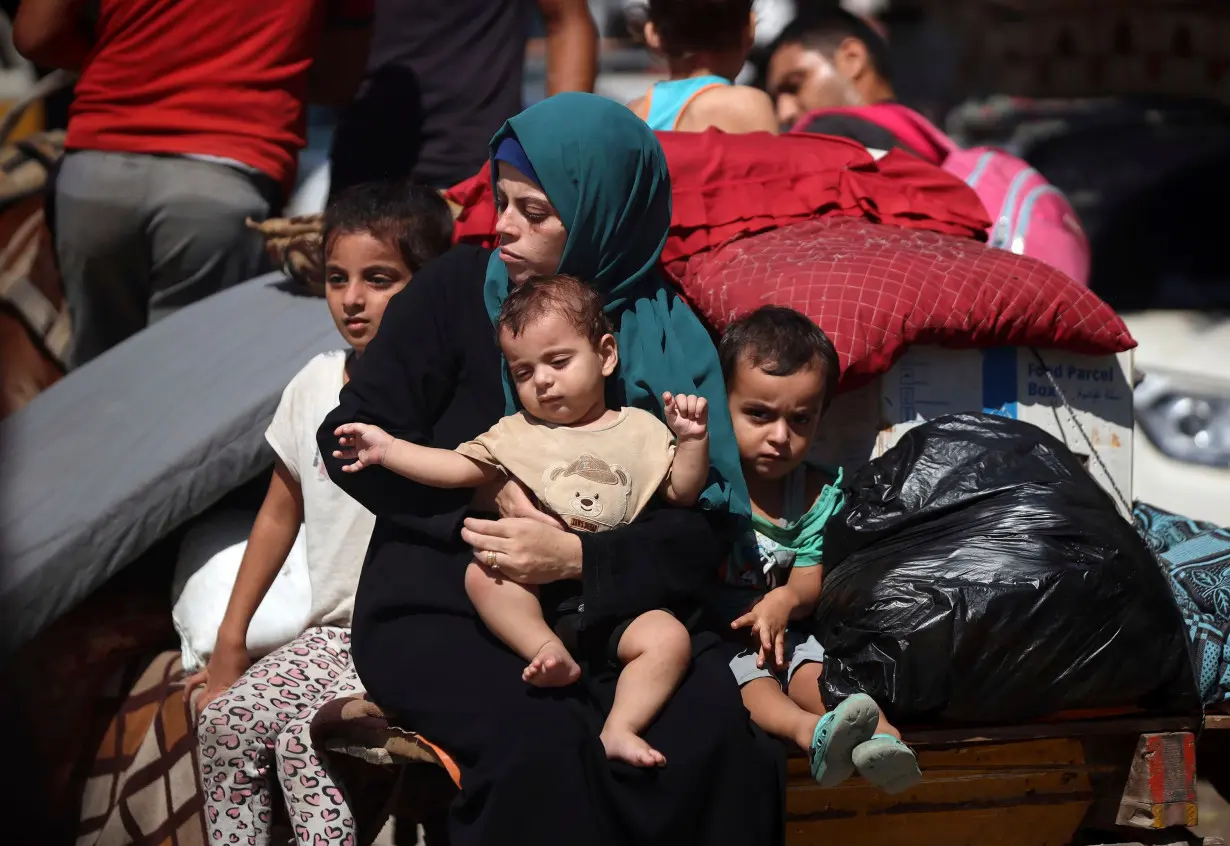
column 533, row 769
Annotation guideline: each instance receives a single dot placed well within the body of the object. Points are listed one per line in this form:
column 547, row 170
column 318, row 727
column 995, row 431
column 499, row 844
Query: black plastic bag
column 978, row 573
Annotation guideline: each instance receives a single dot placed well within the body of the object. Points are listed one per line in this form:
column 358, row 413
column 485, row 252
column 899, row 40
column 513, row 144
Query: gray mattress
column 143, row 438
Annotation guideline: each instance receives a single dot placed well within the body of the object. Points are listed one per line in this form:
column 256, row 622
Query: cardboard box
column 1096, row 421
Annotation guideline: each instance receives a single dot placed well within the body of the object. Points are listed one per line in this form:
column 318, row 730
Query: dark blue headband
column 511, row 151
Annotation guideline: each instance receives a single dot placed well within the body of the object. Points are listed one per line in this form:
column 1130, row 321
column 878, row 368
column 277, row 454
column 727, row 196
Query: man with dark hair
column 829, row 75
column 826, row 59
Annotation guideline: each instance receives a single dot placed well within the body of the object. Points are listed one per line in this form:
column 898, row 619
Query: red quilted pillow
column 876, row 289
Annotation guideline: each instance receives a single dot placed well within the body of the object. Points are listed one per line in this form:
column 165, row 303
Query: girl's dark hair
column 566, row 296
column 781, row 342
column 686, row 26
column 414, row 217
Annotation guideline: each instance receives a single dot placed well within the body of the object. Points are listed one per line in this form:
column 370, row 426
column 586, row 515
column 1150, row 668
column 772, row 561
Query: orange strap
column 643, row 111
column 647, row 103
column 688, row 102
column 446, row 761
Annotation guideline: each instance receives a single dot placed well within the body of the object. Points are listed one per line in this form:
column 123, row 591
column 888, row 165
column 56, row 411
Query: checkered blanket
column 143, row 788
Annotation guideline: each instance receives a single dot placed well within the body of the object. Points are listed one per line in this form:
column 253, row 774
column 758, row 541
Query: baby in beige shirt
column 594, row 467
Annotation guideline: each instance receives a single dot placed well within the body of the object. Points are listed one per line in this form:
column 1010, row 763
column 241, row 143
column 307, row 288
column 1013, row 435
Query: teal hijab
column 604, row 171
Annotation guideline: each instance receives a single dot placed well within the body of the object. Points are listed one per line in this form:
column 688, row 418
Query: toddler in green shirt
column 781, row 372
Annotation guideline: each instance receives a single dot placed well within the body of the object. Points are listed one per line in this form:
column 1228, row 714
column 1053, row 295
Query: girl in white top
column 254, row 718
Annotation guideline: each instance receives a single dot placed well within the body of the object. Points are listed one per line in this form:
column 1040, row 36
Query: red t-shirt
column 224, row 78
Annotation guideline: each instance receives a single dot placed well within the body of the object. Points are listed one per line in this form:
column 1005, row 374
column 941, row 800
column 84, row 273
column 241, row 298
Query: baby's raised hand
column 687, row 415
column 364, row 443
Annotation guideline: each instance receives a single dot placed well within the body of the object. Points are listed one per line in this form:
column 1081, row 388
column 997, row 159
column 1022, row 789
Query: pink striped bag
column 1030, row 216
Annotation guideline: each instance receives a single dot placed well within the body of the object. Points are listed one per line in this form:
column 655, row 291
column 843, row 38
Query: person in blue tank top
column 705, row 43
column 781, row 371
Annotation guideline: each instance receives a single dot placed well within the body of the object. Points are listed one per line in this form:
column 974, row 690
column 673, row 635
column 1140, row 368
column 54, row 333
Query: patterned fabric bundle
column 293, row 245
column 1196, row 558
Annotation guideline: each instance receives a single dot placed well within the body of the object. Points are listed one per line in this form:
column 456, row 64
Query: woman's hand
column 509, row 498
column 768, row 619
column 524, row 550
column 225, row 667
column 363, row 443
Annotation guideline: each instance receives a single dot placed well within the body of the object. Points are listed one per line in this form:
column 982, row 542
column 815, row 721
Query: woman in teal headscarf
column 582, row 188
column 616, row 211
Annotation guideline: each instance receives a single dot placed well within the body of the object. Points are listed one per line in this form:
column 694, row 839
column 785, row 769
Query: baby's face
column 559, row 374
column 775, row 417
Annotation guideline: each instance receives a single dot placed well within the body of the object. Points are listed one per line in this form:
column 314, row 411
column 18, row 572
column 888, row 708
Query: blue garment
column 1196, row 558
column 668, row 99
column 511, row 151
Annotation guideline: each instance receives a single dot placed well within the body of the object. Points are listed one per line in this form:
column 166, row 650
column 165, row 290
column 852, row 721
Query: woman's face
column 361, row 273
column 532, row 236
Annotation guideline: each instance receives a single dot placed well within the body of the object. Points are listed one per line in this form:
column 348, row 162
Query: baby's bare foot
column 623, row 745
column 552, row 667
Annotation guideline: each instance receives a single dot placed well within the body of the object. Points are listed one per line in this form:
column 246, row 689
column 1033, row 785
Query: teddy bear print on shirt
column 588, row 494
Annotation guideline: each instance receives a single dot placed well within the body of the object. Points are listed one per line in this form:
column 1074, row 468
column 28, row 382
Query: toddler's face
column 775, row 417
column 559, row 374
column 361, row 274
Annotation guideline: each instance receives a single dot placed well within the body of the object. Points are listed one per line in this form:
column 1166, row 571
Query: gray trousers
column 139, row 236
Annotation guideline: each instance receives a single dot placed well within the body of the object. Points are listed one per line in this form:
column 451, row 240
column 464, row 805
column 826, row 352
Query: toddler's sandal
column 887, row 763
column 838, row 733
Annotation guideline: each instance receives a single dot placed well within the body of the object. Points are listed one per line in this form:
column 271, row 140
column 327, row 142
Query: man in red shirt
column 187, row 119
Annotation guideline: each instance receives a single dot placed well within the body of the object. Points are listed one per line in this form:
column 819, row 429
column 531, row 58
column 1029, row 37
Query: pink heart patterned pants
column 257, row 732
